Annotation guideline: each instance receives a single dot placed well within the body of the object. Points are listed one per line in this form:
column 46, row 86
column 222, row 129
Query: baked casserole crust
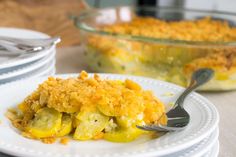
column 171, row 62
column 88, row 108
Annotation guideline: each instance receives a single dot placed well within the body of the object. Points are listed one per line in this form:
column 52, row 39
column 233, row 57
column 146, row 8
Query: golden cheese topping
column 170, row 62
column 112, row 97
column 89, row 108
column 205, row 29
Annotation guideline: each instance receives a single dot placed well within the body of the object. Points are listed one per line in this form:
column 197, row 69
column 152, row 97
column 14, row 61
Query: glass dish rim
column 78, row 22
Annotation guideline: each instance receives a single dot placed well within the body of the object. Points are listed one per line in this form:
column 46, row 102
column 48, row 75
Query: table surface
column 70, row 60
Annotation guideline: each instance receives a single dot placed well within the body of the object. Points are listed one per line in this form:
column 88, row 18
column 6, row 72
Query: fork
column 178, row 117
column 15, row 46
column 9, row 49
column 31, row 42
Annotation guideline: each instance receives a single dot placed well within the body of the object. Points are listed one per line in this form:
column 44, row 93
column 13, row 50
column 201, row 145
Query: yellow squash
column 66, row 125
column 46, row 123
column 91, row 124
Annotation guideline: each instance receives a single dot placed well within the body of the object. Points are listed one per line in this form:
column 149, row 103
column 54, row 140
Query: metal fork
column 15, row 46
column 31, row 42
column 178, row 117
column 9, row 49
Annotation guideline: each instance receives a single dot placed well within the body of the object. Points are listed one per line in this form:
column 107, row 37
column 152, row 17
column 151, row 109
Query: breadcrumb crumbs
column 48, row 140
column 64, row 140
column 205, row 29
column 98, row 136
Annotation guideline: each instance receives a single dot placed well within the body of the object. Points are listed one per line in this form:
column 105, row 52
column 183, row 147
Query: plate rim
column 209, row 143
column 40, row 54
column 41, row 72
column 178, row 146
column 215, row 149
column 33, row 66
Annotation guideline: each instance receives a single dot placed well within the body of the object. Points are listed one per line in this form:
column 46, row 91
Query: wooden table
column 70, row 60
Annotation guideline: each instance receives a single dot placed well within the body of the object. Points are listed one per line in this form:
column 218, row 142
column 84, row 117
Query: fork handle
column 180, row 101
column 199, row 78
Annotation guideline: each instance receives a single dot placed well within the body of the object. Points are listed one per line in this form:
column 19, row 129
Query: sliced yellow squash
column 75, row 122
column 124, row 122
column 46, row 123
column 123, row 135
column 91, row 124
column 127, row 122
column 66, row 125
column 108, row 110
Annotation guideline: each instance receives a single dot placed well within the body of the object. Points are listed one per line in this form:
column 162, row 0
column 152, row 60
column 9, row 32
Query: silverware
column 31, row 42
column 16, row 46
column 178, row 117
column 8, row 49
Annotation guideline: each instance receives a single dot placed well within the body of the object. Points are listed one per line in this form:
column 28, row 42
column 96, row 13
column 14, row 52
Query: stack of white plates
column 14, row 68
column 198, row 139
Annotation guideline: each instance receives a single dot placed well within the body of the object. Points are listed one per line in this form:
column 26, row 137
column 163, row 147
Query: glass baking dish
column 164, row 59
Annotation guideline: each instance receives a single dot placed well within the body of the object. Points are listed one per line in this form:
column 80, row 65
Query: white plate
column 204, row 120
column 7, row 62
column 45, row 70
column 214, row 151
column 51, row 73
column 200, row 148
column 28, row 68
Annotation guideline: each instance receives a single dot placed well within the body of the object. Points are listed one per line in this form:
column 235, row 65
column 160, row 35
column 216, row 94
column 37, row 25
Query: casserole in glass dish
column 162, row 43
